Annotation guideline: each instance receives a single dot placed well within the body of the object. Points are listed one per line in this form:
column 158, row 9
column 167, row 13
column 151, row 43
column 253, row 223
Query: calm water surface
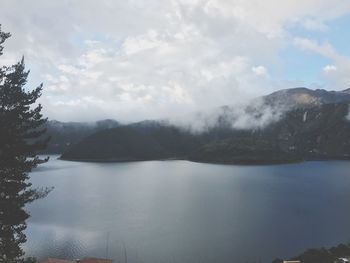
column 179, row 211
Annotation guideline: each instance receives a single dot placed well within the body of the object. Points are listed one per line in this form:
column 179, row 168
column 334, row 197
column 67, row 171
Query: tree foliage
column 21, row 124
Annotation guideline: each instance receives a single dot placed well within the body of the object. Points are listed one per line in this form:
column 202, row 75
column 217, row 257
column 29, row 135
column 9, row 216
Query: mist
column 250, row 115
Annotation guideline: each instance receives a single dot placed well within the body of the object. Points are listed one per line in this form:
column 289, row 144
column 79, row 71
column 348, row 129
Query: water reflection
column 182, row 211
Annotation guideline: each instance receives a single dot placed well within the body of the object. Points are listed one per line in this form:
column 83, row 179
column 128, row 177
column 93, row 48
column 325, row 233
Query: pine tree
column 21, row 126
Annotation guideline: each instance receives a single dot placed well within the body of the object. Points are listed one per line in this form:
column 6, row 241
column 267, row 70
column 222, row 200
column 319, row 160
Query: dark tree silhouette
column 21, row 126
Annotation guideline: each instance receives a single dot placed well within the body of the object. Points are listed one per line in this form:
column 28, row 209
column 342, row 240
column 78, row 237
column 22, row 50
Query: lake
column 180, row 211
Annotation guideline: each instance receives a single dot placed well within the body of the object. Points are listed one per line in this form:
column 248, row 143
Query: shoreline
column 236, row 162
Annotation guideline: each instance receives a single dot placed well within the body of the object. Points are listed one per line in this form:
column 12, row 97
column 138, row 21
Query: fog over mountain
column 174, row 131
column 260, row 112
column 313, row 126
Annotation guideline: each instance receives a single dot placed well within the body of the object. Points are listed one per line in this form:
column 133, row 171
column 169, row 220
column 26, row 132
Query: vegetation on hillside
column 127, row 143
column 317, row 132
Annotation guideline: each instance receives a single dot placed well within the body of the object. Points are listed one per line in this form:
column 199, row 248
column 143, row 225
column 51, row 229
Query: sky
column 131, row 60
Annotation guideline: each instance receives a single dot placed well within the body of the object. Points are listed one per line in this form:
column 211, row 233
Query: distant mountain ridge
column 303, row 97
column 141, row 141
column 65, row 134
column 304, row 124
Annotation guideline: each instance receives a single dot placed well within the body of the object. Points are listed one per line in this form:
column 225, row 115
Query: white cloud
column 329, row 68
column 315, row 25
column 260, row 71
column 131, row 60
column 324, row 49
column 336, row 75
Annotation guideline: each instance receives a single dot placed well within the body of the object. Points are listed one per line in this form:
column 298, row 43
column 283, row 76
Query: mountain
column 313, row 124
column 65, row 134
column 141, row 141
column 319, row 132
column 243, row 149
column 303, row 97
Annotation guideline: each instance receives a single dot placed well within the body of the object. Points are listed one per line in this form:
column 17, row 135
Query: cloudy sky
column 137, row 59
